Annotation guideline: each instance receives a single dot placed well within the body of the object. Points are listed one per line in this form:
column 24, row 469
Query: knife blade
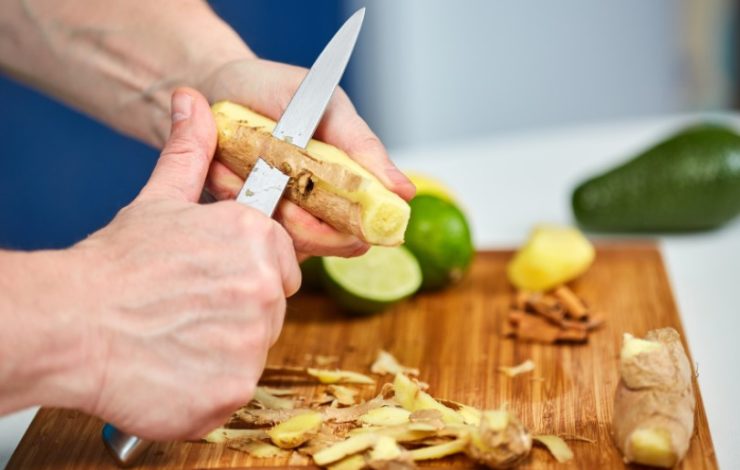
column 265, row 185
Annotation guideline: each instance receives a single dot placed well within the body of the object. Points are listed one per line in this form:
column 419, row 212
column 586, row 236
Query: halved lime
column 373, row 281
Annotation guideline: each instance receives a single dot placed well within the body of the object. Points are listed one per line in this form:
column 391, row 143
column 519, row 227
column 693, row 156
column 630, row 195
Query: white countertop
column 508, row 183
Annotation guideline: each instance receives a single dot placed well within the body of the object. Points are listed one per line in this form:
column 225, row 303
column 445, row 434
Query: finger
column 223, row 183
column 342, row 127
column 287, row 261
column 183, row 164
column 314, row 237
column 277, row 319
column 291, row 277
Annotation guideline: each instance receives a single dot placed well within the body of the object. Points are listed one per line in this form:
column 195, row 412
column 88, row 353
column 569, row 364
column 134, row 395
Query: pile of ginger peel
column 399, row 427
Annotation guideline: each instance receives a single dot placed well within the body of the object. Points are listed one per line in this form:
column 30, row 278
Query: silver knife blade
column 300, row 118
column 263, row 188
column 265, row 185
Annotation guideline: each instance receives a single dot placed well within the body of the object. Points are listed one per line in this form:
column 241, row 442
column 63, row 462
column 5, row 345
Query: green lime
column 373, row 281
column 439, row 236
column 311, row 271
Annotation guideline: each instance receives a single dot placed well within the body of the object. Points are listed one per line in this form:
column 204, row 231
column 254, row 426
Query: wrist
column 209, row 44
column 215, row 45
column 46, row 343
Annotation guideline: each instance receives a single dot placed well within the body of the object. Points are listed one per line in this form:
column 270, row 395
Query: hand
column 267, row 87
column 185, row 299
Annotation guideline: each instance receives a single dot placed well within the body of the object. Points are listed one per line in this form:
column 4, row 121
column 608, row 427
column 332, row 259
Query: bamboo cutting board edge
column 68, row 439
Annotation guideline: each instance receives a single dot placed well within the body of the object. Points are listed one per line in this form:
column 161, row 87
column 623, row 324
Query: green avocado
column 689, row 182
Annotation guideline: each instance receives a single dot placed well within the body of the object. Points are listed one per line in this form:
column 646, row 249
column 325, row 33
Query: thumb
column 183, row 164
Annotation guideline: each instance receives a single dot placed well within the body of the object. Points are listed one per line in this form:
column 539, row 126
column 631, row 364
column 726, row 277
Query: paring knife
column 265, row 185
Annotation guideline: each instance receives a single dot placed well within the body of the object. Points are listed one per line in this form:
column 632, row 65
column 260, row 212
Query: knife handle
column 124, row 448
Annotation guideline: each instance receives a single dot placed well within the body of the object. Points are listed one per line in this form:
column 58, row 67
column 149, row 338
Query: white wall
column 432, row 70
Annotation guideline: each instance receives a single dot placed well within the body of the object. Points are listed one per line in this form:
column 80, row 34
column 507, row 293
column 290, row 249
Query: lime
column 373, row 281
column 427, row 185
column 439, row 236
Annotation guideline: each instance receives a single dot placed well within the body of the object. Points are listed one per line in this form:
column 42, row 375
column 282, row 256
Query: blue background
column 63, row 175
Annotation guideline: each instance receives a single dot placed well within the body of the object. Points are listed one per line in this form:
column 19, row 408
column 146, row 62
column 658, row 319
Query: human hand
column 184, row 299
column 267, row 87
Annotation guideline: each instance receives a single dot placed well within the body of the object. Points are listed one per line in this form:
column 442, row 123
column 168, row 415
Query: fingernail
column 182, row 105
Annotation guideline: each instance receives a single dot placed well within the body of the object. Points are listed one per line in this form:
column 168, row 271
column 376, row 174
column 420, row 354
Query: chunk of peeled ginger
column 553, row 255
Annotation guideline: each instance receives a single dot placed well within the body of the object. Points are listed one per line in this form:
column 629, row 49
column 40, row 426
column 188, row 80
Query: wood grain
column 453, row 336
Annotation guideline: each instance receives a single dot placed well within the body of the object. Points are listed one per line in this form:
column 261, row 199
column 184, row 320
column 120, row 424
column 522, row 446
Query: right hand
column 184, row 299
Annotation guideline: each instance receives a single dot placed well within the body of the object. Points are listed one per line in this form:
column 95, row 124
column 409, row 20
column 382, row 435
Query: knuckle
column 236, row 294
column 270, row 289
column 372, row 145
column 251, row 223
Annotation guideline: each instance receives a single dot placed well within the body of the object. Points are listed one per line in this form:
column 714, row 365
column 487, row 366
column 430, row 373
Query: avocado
column 689, row 182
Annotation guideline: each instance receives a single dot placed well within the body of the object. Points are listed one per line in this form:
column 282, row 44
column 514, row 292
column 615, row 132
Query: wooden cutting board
column 454, row 337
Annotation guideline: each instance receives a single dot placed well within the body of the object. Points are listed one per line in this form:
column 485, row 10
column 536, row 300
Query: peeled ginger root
column 553, row 255
column 324, row 180
column 654, row 403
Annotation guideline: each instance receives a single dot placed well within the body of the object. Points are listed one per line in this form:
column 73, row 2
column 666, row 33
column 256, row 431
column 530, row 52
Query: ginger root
column 324, row 180
column 654, row 403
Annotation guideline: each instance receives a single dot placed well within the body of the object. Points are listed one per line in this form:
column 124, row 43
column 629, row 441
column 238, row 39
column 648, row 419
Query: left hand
column 267, row 87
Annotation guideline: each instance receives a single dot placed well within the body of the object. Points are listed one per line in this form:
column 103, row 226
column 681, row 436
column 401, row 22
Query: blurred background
column 424, row 72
